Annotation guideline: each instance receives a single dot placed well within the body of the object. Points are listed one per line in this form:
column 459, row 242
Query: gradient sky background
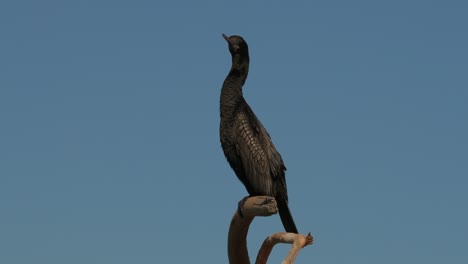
column 109, row 146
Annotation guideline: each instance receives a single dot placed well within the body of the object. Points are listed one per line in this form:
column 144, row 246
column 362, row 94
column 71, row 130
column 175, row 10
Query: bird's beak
column 232, row 47
column 227, row 39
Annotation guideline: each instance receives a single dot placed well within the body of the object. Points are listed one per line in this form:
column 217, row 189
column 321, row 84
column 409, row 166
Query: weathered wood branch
column 239, row 227
column 298, row 241
column 237, row 237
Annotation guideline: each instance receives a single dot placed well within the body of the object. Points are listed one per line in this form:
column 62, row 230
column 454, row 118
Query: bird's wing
column 261, row 161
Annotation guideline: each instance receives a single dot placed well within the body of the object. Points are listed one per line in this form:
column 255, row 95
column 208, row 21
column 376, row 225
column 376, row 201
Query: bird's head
column 237, row 45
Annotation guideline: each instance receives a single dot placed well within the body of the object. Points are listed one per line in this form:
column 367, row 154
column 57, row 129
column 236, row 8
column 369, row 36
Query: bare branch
column 298, row 241
column 237, row 238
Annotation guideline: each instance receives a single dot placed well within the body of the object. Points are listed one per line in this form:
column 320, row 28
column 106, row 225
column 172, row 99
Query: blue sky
column 109, row 146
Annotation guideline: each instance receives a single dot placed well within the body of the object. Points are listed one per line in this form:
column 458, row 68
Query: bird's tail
column 286, row 217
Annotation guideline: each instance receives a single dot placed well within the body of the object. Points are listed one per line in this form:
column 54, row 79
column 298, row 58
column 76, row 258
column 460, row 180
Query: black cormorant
column 245, row 142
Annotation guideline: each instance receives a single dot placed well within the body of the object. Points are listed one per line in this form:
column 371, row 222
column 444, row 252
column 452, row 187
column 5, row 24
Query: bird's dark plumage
column 245, row 142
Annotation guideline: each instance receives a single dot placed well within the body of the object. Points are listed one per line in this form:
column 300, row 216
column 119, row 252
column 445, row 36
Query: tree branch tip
column 258, row 206
column 309, row 240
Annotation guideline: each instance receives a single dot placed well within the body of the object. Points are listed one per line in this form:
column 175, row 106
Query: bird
column 246, row 143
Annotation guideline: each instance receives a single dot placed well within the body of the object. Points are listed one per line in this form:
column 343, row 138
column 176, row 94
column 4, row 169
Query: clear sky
column 109, row 145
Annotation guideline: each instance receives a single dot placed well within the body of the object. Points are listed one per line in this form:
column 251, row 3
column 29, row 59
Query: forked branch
column 237, row 238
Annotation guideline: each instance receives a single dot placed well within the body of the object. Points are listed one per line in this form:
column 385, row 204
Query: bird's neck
column 231, row 94
column 240, row 67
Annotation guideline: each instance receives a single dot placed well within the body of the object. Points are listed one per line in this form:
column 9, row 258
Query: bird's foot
column 267, row 200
